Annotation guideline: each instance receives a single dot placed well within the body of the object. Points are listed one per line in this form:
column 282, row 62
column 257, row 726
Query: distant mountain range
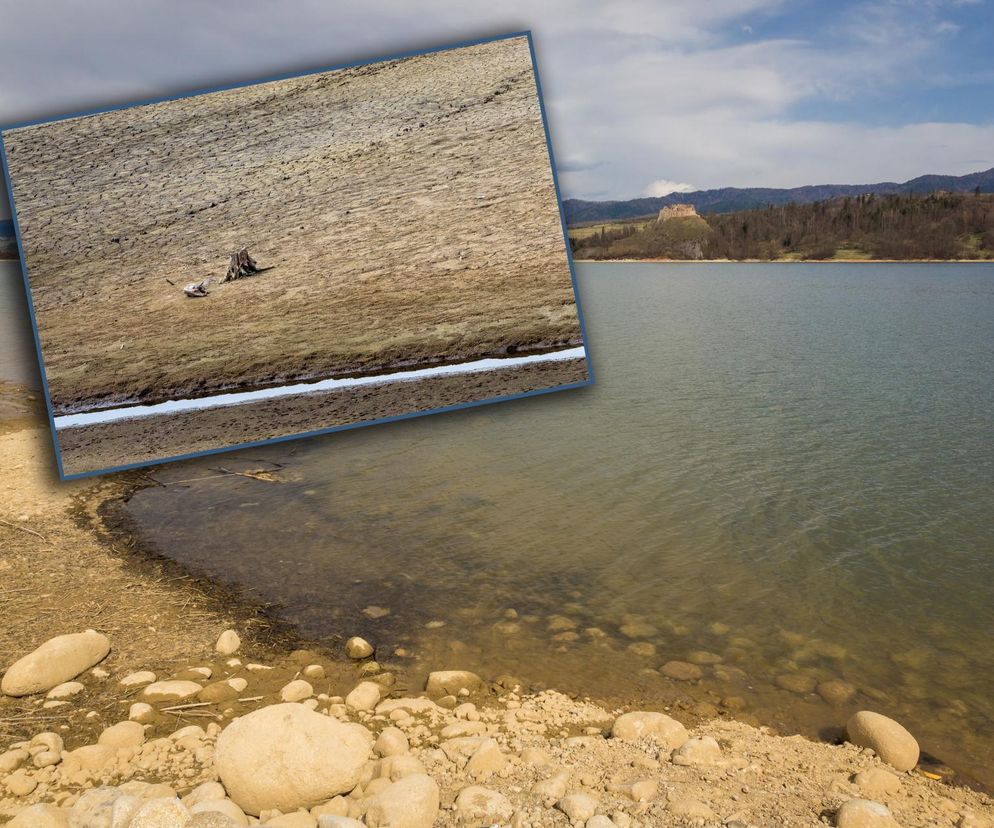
column 730, row 199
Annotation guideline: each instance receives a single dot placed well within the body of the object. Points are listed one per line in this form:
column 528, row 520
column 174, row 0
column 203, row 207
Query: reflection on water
column 786, row 470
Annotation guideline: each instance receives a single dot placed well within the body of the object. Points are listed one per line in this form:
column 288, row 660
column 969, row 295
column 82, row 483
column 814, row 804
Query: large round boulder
column 888, row 739
column 286, row 756
column 56, row 661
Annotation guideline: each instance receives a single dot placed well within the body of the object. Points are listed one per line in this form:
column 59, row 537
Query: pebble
column 139, row 679
column 411, row 802
column 42, row 815
column 663, row 729
column 478, row 805
column 141, row 712
column 579, row 807
column 65, row 690
column 365, row 696
column 315, row 672
column 864, row 813
column 443, row 683
column 700, row 751
column 391, row 742
column 358, row 648
column 228, row 643
column 170, row 691
column 297, row 690
column 877, row 783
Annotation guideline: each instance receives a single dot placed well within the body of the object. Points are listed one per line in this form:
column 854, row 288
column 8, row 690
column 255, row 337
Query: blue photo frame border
column 331, row 429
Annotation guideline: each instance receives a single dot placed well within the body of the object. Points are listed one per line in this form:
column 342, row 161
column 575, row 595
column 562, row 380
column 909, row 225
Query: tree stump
column 240, row 264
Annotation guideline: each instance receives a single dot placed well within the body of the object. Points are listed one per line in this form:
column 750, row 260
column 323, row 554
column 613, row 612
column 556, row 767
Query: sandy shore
column 462, row 750
column 113, row 444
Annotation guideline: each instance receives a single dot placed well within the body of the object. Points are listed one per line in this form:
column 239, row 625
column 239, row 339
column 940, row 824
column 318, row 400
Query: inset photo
column 295, row 256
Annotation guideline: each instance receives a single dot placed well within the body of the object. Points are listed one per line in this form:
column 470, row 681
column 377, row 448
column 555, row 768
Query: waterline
column 219, row 400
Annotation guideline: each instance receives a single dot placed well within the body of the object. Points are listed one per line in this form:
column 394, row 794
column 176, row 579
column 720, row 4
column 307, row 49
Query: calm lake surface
column 787, row 469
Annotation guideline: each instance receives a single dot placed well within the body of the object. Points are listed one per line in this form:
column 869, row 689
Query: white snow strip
column 110, row 415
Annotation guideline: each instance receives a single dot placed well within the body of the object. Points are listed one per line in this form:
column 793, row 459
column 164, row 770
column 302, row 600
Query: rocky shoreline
column 170, row 711
column 231, row 740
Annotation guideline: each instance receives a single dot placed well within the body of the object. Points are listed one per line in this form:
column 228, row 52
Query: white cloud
column 662, row 187
column 632, row 87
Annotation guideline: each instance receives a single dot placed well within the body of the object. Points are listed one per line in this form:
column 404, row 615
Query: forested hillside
column 936, row 226
column 734, row 199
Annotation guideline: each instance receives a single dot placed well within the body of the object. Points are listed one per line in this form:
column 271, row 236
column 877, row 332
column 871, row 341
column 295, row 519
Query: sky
column 644, row 97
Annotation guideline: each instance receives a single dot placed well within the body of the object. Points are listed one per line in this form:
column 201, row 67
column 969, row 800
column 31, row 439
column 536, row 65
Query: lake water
column 788, row 467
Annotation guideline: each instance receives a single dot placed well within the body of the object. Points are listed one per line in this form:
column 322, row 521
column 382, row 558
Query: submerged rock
column 681, row 671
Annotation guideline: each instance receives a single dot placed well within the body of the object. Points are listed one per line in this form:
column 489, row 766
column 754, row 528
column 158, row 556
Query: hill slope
column 731, row 199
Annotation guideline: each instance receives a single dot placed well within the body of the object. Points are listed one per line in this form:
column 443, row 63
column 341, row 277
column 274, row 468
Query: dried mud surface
column 109, row 445
column 406, row 209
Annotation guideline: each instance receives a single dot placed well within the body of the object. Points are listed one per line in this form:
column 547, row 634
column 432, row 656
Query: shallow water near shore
column 789, row 468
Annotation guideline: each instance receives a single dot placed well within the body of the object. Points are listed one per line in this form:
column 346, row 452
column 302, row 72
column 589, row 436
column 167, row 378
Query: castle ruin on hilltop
column 677, row 211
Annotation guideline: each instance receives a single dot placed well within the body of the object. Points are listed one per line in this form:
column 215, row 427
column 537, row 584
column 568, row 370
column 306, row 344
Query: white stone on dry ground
column 65, row 690
column 690, row 808
column 297, row 690
column 159, row 813
column 228, row 643
column 336, row 821
column 288, row 757
column 171, row 691
column 392, row 741
column 579, row 807
column 141, row 712
column 667, row 731
column 864, row 813
column 888, row 739
column 138, row 679
column 365, row 696
column 700, row 751
column 410, row 803
column 123, row 735
column 481, row 806
column 358, row 648
column 486, row 760
column 877, row 783
column 451, row 682
column 42, row 815
column 57, row 660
